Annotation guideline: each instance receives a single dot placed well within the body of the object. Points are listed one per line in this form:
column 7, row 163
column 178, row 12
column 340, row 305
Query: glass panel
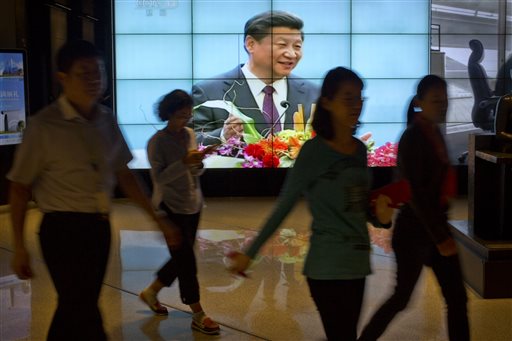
column 229, row 52
column 225, row 16
column 390, row 56
column 387, row 100
column 322, row 16
column 133, row 16
column 388, row 16
column 153, row 56
column 136, row 99
column 466, row 17
column 137, row 137
column 322, row 52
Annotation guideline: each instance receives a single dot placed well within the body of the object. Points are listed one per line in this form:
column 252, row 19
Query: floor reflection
column 272, row 304
column 15, row 308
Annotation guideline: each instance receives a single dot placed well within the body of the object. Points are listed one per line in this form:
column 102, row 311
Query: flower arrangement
column 273, row 151
column 281, row 149
column 257, row 151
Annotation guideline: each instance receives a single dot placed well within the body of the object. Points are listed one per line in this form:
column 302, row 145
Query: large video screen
column 13, row 96
column 165, row 45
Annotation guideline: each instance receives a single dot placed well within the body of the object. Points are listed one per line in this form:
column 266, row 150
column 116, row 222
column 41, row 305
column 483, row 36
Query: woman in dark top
column 331, row 172
column 422, row 235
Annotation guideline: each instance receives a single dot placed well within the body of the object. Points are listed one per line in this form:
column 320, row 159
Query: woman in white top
column 176, row 165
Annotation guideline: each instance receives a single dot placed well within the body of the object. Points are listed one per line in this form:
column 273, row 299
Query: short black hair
column 74, row 50
column 322, row 119
column 261, row 24
column 172, row 102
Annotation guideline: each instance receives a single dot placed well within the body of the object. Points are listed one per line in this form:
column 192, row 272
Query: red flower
column 255, row 150
column 270, row 161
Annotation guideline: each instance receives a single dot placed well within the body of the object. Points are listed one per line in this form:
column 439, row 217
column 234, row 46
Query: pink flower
column 252, row 162
column 383, row 156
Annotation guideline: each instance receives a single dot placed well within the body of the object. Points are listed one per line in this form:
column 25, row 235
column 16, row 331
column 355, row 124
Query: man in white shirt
column 273, row 41
column 70, row 158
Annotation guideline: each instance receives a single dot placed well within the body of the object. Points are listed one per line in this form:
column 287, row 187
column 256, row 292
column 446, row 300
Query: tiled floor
column 273, row 304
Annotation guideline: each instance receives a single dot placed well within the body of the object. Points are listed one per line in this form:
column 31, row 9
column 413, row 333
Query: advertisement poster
column 12, row 97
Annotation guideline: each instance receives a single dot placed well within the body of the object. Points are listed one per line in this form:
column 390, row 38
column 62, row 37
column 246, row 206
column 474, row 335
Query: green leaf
column 251, row 134
column 286, row 162
column 251, row 138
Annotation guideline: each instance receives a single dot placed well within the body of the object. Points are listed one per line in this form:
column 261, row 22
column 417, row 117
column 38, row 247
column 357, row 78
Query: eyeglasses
column 353, row 100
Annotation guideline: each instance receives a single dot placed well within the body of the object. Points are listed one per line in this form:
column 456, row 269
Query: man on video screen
column 263, row 89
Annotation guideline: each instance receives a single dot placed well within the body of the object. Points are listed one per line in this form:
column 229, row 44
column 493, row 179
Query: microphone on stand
column 285, row 104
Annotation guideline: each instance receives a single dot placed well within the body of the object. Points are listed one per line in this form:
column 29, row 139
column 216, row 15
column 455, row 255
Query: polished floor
column 272, row 304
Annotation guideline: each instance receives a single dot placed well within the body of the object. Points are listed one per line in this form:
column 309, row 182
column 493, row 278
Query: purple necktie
column 269, row 110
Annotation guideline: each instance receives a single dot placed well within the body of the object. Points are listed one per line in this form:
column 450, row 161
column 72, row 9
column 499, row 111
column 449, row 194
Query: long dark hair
column 335, row 78
column 426, row 83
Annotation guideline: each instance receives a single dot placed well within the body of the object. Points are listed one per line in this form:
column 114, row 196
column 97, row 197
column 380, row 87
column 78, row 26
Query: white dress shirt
column 257, row 85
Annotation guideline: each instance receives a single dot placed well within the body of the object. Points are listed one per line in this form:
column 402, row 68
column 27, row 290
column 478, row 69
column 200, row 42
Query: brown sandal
column 153, row 304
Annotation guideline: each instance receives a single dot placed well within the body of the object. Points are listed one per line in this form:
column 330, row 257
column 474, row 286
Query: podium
column 489, row 188
column 485, row 240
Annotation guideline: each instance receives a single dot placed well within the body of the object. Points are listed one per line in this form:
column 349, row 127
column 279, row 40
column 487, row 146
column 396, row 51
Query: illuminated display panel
column 165, row 45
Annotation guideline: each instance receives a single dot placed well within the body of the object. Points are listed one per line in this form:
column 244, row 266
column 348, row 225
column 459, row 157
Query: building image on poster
column 12, row 96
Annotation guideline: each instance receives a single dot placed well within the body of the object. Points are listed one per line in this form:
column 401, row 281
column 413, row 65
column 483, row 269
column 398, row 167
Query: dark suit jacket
column 232, row 86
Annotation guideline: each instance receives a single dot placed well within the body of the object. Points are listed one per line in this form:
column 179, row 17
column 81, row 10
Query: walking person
column 421, row 234
column 70, row 158
column 176, row 165
column 331, row 171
